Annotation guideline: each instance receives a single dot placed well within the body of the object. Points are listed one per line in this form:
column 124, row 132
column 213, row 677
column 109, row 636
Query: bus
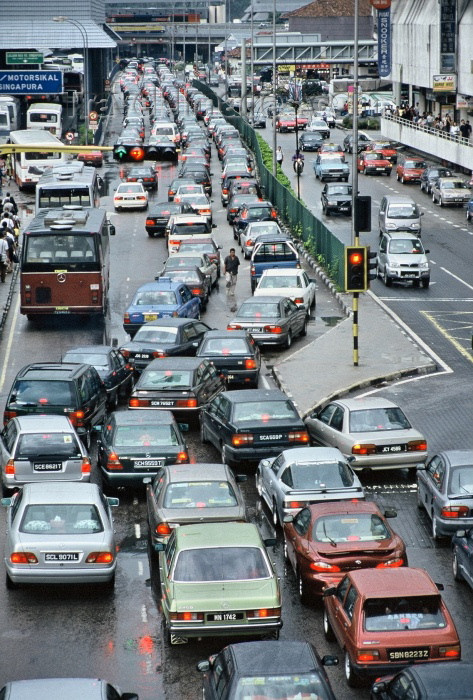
column 45, row 115
column 74, row 183
column 27, row 168
column 65, row 263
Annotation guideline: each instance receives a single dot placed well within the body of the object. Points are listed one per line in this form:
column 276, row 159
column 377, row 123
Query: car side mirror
column 390, row 513
column 288, row 518
column 426, row 252
column 159, row 547
column 129, row 696
column 184, row 427
column 329, row 592
column 113, row 501
column 241, row 478
column 6, row 502
column 214, row 225
column 440, row 586
column 379, row 687
column 270, row 542
column 203, row 666
column 422, row 213
column 329, row 660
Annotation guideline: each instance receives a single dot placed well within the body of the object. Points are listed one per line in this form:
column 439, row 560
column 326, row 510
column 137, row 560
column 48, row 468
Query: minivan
column 402, row 258
column 399, row 213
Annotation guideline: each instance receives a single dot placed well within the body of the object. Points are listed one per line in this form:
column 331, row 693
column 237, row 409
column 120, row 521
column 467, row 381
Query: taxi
column 374, row 163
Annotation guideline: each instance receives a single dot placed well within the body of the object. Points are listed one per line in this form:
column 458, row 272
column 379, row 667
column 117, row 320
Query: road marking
column 144, row 612
column 9, row 344
column 459, row 279
column 137, row 531
column 463, row 351
column 265, row 382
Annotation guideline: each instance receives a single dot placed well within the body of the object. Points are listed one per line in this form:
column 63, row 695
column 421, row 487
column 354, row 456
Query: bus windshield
column 58, row 197
column 60, row 250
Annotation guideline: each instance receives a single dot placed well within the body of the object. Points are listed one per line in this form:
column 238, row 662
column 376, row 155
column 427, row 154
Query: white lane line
column 265, row 382
column 459, row 279
column 144, row 612
column 137, row 531
column 10, row 343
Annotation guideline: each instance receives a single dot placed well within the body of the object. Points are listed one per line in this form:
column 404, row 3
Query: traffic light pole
column 356, row 230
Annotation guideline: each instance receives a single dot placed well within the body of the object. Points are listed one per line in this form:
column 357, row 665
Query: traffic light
column 356, row 279
column 125, row 153
column 128, row 153
column 371, row 265
column 362, row 213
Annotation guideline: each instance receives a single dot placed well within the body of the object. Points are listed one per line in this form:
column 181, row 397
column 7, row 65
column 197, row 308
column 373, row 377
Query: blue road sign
column 31, row 82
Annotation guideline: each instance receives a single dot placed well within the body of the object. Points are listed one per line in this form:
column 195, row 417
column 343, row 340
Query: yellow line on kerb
column 10, row 343
column 463, row 351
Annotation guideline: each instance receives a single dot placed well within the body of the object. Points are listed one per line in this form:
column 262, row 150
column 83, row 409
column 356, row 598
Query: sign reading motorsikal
column 26, row 82
column 384, row 43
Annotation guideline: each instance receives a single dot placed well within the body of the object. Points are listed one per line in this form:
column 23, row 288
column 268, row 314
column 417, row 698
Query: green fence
column 318, row 239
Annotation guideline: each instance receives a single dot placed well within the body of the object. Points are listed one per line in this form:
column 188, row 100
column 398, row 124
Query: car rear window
column 378, row 419
column 165, row 379
column 257, row 310
column 220, row 564
column 225, row 346
column 183, row 229
column 46, row 444
column 200, row 494
column 156, row 334
column 322, row 474
column 274, row 252
column 364, row 527
column 94, row 359
column 156, row 298
column 148, row 435
column 42, row 393
column 69, row 519
column 399, row 614
column 280, row 281
column 300, row 685
column 264, row 411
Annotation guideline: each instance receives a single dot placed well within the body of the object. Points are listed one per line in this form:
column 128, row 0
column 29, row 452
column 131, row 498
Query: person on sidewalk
column 3, row 255
column 231, row 265
column 279, row 156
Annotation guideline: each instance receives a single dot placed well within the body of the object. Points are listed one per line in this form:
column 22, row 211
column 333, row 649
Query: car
column 310, row 141
column 336, row 198
column 363, row 141
column 450, row 191
column 160, row 299
column 293, row 283
column 158, row 217
column 410, row 169
column 182, row 226
column 319, row 126
column 199, row 204
column 248, row 185
column 271, row 320
column 233, row 173
column 90, row 688
column 262, row 210
column 250, row 424
column 194, row 493
column 469, row 210
column 268, row 669
column 327, row 147
column 285, row 121
column 185, row 260
column 41, row 449
column 402, row 257
column 434, row 681
column 325, row 540
column 178, row 182
column 179, row 384
column 272, row 252
column 389, row 149
column 55, row 388
column 258, row 120
column 374, row 163
column 137, row 444
column 130, row 196
column 65, row 530
column 199, row 174
column 300, row 476
column 386, row 619
column 328, row 116
column 236, row 202
column 248, row 236
column 331, row 166
column 187, row 189
column 430, row 175
column 145, row 174
column 203, row 245
column 372, row 430
column 199, row 284
column 445, row 491
column 234, row 354
column 399, row 213
column 111, row 366
column 231, row 558
column 94, row 158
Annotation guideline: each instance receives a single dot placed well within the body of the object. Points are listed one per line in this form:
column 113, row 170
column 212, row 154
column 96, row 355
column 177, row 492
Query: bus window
column 54, row 198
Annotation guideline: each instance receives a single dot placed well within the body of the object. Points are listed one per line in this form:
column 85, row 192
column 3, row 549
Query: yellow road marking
column 462, row 350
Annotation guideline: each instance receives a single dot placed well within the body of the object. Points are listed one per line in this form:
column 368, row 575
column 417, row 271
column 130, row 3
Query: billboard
column 384, row 43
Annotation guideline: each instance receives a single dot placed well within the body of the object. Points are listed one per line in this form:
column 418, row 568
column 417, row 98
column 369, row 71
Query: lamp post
column 226, row 49
column 275, row 143
column 252, row 73
column 85, row 44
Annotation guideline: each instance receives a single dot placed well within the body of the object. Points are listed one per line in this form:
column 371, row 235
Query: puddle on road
column 331, row 320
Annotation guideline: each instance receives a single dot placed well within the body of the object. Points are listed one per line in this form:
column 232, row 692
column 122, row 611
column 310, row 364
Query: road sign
column 69, row 136
column 31, row 82
column 93, row 116
column 17, row 57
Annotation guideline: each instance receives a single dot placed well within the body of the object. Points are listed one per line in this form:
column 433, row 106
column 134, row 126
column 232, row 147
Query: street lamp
column 275, row 143
column 85, row 45
column 296, row 90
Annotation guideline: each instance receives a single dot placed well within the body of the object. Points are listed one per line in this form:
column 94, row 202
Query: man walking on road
column 4, row 259
column 231, row 265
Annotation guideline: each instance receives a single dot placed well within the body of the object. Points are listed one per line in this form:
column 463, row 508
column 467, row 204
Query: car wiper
column 332, row 542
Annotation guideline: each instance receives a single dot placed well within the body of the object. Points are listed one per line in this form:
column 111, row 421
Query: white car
column 288, row 282
column 130, row 195
column 248, row 236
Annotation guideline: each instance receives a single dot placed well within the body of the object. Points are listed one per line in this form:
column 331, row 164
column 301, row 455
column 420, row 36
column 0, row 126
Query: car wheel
column 387, row 280
column 397, row 177
column 435, row 534
column 113, row 402
column 328, row 631
column 420, row 504
column 11, row 585
column 426, row 283
column 302, row 589
column 455, row 568
column 288, row 340
column 433, row 197
column 259, row 486
column 403, row 182
column 325, row 211
column 440, row 201
column 468, row 216
column 350, row 676
column 364, row 171
column 275, row 516
column 304, row 329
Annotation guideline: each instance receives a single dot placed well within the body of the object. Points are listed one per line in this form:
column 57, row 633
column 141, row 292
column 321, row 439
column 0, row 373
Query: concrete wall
column 465, row 53
column 415, row 41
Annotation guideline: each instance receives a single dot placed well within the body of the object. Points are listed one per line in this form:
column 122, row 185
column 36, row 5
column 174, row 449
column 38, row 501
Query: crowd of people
column 434, row 123
column 9, row 235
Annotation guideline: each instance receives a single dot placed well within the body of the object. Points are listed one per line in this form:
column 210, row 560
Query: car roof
column 96, row 349
column 273, row 657
column 33, row 422
column 458, row 457
column 366, row 402
column 404, row 582
column 203, row 471
column 312, row 454
column 45, row 688
column 142, row 416
column 229, row 534
column 399, row 199
column 174, row 363
column 60, row 492
column 246, row 395
column 159, row 284
column 437, row 679
column 57, row 371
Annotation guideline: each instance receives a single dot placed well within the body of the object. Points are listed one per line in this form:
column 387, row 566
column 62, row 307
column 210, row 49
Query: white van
column 45, row 115
column 12, row 104
column 77, row 61
column 168, row 130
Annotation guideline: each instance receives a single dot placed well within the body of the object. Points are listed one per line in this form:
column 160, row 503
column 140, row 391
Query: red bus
column 65, row 263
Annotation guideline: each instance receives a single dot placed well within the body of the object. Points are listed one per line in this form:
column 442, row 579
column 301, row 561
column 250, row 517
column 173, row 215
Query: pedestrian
column 468, row 129
column 454, row 130
column 3, row 255
column 231, row 265
column 279, row 155
column 10, row 199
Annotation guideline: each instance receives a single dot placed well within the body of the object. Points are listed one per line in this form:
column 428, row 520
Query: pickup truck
column 271, row 252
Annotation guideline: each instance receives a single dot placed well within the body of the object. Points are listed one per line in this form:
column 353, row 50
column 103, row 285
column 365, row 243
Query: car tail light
column 141, row 197
column 10, row 467
column 242, row 439
column 113, row 461
column 125, row 353
column 158, row 353
column 454, row 511
column 187, row 616
column 234, row 327
column 249, row 242
column 294, row 504
column 118, row 198
column 8, row 415
column 186, row 403
column 391, row 564
column 162, row 529
column 264, row 612
column 86, row 466
column 77, row 418
column 272, row 329
column 225, row 190
column 450, row 652
column 99, row 558
column 274, row 214
column 371, row 655
column 417, row 446
column 23, row 558
column 250, row 363
column 324, row 567
column 138, row 403
column 298, row 436
column 150, row 222
column 196, row 291
column 359, row 449
column 299, row 300
column 126, row 318
column 182, row 458
column 174, row 242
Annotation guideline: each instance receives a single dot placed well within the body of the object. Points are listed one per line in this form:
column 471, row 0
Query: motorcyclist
column 298, row 161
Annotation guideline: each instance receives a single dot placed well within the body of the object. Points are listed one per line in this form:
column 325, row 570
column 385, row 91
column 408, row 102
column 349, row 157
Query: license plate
column 409, row 276
column 142, row 356
column 270, row 437
column 61, row 556
column 254, row 330
column 230, row 376
column 408, row 654
column 144, row 463
column 344, row 208
column 391, row 448
column 129, row 199
column 47, row 466
column 150, row 317
column 224, row 617
column 379, row 168
column 162, row 403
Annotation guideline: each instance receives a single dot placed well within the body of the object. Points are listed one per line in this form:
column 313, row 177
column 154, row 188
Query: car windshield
column 62, row 519
column 378, row 419
column 402, row 211
column 146, row 435
column 458, row 185
column 406, row 246
column 364, row 527
column 200, row 494
column 88, row 358
column 176, row 261
column 332, row 160
column 264, row 411
column 225, row 346
column 318, row 475
column 156, row 334
column 42, row 393
column 155, row 298
column 63, row 445
column 220, row 564
column 284, row 687
column 257, row 310
column 373, row 156
column 461, row 480
column 278, row 281
column 414, row 164
column 399, row 614
column 165, row 379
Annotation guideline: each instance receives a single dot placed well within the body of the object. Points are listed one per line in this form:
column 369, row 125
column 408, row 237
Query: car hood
column 279, row 292
column 407, row 259
column 213, row 595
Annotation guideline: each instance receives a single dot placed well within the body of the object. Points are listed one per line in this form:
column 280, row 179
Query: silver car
column 60, row 533
column 271, row 320
column 402, row 258
column 371, row 429
column 445, row 490
column 36, row 448
column 71, row 688
column 304, row 475
column 450, row 191
column 247, row 237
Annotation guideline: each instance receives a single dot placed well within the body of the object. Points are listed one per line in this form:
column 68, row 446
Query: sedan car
column 374, row 163
column 363, row 140
column 202, row 245
column 234, row 354
column 259, row 211
column 300, row 476
column 292, row 282
column 258, row 120
column 236, row 202
column 372, row 430
column 179, row 384
column 136, row 444
column 199, row 204
column 145, row 174
column 247, row 237
column 177, row 182
column 60, row 533
column 179, row 261
column 331, row 166
column 199, row 284
column 94, row 158
column 450, row 191
column 184, row 494
column 445, row 491
column 158, row 217
column 319, row 126
column 130, row 196
column 200, row 559
column 325, row 540
column 431, row 175
column 252, row 424
column 268, row 669
column 435, row 681
column 90, row 688
column 310, row 141
column 336, row 198
column 161, row 299
column 272, row 320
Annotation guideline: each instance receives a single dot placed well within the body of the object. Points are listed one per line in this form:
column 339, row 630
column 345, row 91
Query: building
column 332, row 19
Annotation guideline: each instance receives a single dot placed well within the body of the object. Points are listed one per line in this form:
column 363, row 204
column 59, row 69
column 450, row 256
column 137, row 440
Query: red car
column 386, row 148
column 325, row 540
column 94, row 158
column 386, row 619
column 285, row 122
column 410, row 170
column 374, row 163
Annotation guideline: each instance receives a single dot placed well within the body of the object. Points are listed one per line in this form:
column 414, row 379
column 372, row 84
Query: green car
column 217, row 580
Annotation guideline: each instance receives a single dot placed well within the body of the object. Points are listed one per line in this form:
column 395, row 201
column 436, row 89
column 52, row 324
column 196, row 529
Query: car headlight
column 331, row 203
column 394, row 265
column 424, row 265
column 414, row 226
column 390, row 226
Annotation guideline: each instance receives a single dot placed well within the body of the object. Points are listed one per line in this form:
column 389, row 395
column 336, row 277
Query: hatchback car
column 402, row 258
column 60, row 533
column 71, row 688
column 158, row 217
column 293, row 283
column 372, row 430
column 145, row 174
column 389, row 149
column 231, row 558
column 271, row 320
column 180, row 495
column 130, row 196
column 40, row 449
column 434, row 681
column 450, row 191
column 136, row 444
column 234, row 354
column 336, row 198
column 410, row 169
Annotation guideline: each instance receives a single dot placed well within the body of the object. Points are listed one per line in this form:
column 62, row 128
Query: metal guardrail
column 439, row 133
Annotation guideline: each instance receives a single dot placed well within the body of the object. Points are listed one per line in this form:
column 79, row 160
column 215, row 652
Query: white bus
column 27, row 168
column 71, row 185
column 45, row 115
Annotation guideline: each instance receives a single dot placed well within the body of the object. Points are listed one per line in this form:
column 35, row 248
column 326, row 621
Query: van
column 402, row 258
column 12, row 105
column 399, row 213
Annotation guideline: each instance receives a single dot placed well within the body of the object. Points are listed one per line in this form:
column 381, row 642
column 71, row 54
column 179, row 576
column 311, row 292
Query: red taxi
column 410, row 169
column 384, row 147
column 374, row 163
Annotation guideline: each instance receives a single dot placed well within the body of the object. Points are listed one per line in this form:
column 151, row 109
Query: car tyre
column 274, row 514
column 350, row 675
column 403, row 182
column 420, row 504
column 457, row 575
column 328, row 631
column 433, row 198
column 386, row 279
column 150, row 234
column 113, row 402
column 288, row 340
column 11, row 585
column 302, row 589
column 304, row 328
column 435, row 534
column 397, row 177
column 426, row 283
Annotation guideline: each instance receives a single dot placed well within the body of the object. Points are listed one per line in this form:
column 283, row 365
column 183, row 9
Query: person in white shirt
column 3, row 255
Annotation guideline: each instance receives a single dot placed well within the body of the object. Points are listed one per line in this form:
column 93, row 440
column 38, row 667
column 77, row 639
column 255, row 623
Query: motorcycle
column 298, row 166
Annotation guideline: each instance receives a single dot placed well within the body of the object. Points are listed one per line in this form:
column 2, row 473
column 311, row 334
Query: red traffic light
column 355, row 258
column 137, row 153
